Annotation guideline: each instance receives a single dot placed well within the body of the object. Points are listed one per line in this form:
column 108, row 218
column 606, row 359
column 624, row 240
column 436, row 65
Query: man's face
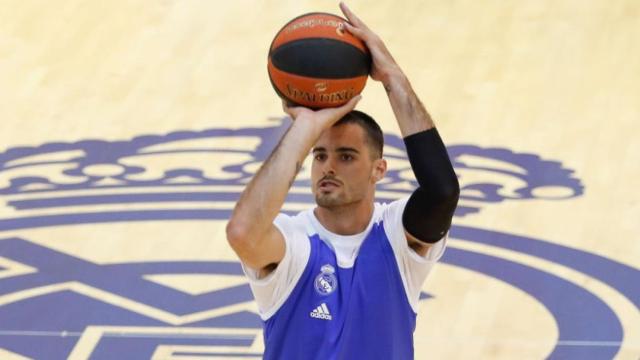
column 343, row 170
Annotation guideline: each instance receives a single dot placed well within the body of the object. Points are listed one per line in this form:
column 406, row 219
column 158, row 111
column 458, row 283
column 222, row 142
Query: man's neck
column 346, row 220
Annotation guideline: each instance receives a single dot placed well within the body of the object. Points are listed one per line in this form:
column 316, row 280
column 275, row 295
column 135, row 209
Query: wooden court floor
column 128, row 129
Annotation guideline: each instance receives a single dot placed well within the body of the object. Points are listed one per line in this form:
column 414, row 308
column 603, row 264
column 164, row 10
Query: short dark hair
column 373, row 132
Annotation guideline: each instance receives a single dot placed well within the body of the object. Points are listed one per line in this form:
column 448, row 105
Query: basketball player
column 342, row 280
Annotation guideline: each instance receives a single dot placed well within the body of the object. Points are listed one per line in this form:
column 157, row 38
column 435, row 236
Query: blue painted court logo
column 55, row 305
column 326, row 282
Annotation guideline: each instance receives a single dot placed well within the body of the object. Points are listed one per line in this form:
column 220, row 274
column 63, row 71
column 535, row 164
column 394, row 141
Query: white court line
column 530, row 343
column 577, row 343
column 122, row 335
column 40, row 333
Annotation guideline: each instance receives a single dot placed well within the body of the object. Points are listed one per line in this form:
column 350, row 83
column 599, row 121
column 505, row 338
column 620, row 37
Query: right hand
column 321, row 119
column 383, row 68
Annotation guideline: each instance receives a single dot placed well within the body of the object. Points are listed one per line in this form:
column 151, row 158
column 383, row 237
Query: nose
column 328, row 168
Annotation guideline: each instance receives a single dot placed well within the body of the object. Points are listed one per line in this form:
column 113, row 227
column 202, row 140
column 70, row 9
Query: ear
column 379, row 169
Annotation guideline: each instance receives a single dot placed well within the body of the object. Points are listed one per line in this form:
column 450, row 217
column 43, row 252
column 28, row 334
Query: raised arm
column 427, row 216
column 250, row 230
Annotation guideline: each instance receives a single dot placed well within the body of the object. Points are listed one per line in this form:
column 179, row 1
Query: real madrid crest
column 326, row 282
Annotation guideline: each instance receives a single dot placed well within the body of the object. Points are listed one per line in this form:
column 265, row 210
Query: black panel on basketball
column 321, row 58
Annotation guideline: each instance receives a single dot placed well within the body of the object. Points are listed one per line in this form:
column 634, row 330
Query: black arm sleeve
column 430, row 208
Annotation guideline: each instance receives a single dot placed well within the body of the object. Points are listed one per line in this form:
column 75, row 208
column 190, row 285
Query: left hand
column 384, row 67
column 317, row 121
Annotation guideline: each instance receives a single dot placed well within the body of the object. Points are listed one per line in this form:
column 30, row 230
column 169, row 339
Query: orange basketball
column 315, row 62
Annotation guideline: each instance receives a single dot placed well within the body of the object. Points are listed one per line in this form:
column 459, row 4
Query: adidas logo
column 321, row 312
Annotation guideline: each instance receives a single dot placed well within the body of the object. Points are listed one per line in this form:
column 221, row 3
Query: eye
column 320, row 157
column 346, row 157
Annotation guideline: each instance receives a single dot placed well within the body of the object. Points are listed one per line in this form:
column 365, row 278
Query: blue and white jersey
column 343, row 297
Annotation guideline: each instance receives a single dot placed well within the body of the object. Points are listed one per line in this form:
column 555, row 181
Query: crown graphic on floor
column 213, row 166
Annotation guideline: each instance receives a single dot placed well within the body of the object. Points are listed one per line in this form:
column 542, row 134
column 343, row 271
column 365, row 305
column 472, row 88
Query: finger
column 373, row 41
column 351, row 16
column 341, row 111
column 359, row 33
column 286, row 108
column 290, row 109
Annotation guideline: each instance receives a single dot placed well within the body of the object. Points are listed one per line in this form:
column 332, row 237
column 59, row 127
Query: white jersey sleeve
column 271, row 291
column 413, row 268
